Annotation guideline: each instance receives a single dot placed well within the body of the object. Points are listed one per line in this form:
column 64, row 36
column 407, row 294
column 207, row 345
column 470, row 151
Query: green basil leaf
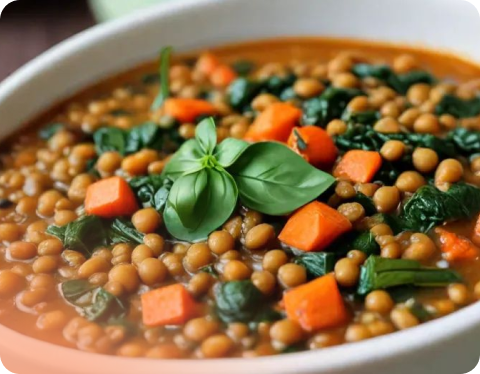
column 214, row 206
column 186, row 193
column 186, row 160
column 229, row 150
column 206, row 135
column 164, row 80
column 274, row 180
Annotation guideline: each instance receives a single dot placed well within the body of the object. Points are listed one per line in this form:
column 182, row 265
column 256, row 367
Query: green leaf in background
column 329, row 105
column 47, row 132
column 108, row 139
column 229, row 150
column 165, row 54
column 273, row 179
column 243, row 67
column 458, row 107
column 206, row 135
column 211, row 208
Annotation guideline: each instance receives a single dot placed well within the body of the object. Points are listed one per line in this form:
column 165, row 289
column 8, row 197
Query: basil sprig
column 208, row 179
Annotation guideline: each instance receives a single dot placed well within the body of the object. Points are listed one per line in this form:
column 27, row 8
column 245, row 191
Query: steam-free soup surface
column 340, row 203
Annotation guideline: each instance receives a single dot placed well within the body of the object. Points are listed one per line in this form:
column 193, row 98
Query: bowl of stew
column 266, row 196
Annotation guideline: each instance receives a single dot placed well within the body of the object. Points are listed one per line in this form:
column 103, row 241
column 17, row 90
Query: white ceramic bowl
column 445, row 346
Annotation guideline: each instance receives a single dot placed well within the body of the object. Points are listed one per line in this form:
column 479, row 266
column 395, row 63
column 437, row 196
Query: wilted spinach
column 466, row 141
column 94, row 303
column 382, row 273
column 82, row 235
column 241, row 301
column 147, row 135
column 429, row 206
column 243, row 67
column 123, row 231
column 329, row 105
column 152, row 191
column 317, row 264
column 458, row 107
column 363, row 241
column 399, row 82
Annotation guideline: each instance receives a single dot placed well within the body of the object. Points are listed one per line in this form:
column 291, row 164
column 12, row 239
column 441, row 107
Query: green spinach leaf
column 152, row 191
column 329, row 105
column 82, row 235
column 241, row 301
column 243, row 67
column 95, row 303
column 429, row 206
column 123, row 231
column 382, row 273
column 458, row 107
column 317, row 264
column 242, row 91
column 273, row 179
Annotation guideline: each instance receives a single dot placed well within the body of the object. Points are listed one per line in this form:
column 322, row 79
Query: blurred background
column 29, row 27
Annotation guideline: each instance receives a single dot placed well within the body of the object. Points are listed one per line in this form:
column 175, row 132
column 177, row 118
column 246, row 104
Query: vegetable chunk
column 359, row 166
column 456, row 248
column 171, row 305
column 110, row 198
column 314, row 227
column 187, row 110
column 316, row 305
column 274, row 123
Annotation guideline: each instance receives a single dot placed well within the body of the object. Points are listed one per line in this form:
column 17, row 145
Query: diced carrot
column 358, row 166
column 207, row 63
column 274, row 123
column 316, row 305
column 187, row 110
column 170, row 305
column 314, row 144
column 314, row 227
column 111, row 197
column 476, row 230
column 222, row 76
column 456, row 248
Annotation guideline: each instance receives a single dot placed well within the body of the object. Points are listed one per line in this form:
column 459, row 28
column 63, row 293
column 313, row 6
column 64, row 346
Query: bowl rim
column 376, row 349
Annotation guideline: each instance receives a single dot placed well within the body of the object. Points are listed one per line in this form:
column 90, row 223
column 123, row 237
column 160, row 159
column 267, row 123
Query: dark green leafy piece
column 317, row 264
column 147, row 135
column 165, row 54
column 95, row 303
column 151, row 191
column 48, row 131
column 210, row 269
column 109, row 139
column 368, row 117
column 429, row 206
column 5, row 203
column 458, row 107
column 274, row 180
column 242, row 91
column 123, row 231
column 466, row 141
column 383, row 273
column 243, row 67
column 394, row 222
column 301, row 143
column 241, row 301
column 419, row 310
column 366, row 202
column 329, row 105
column 82, row 235
column 363, row 241
column 275, row 85
column 399, row 82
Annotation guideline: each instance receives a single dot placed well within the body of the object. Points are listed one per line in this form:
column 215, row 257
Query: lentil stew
column 252, row 200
